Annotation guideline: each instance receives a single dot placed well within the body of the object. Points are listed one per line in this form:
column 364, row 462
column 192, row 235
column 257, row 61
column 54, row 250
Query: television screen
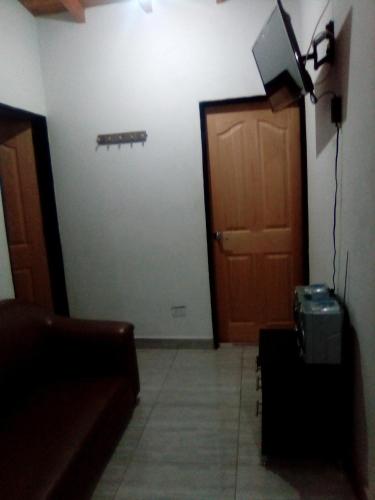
column 279, row 61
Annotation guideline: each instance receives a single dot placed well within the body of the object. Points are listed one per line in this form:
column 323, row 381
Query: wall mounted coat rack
column 122, row 138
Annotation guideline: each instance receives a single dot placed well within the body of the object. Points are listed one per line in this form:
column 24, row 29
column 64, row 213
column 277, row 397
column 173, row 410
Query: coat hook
column 122, row 138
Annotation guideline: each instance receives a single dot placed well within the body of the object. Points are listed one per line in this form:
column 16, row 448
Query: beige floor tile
column 141, row 414
column 149, row 481
column 171, row 417
column 211, row 396
column 109, row 482
column 199, row 446
column 195, row 435
column 291, row 482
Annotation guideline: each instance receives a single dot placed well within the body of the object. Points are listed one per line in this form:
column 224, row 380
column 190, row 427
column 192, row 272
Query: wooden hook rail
column 122, row 138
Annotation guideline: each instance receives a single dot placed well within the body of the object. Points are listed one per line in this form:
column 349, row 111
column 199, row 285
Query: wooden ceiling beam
column 43, row 7
column 76, row 9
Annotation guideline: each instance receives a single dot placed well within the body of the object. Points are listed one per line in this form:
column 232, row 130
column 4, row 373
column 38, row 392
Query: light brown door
column 23, row 214
column 256, row 209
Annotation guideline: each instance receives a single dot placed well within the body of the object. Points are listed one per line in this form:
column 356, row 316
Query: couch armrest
column 89, row 347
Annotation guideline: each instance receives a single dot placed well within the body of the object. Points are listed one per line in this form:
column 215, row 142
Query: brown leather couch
column 67, row 388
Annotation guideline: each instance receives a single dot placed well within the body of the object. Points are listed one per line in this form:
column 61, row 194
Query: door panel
column 248, row 242
column 23, row 284
column 231, row 151
column 273, row 164
column 278, row 272
column 12, row 193
column 255, row 195
column 23, row 215
column 242, row 276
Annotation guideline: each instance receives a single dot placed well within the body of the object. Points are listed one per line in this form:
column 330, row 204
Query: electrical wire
column 315, row 99
column 346, row 274
column 328, row 92
column 316, row 27
column 323, row 79
column 335, row 209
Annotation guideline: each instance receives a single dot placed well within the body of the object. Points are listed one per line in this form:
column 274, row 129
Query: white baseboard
column 143, row 343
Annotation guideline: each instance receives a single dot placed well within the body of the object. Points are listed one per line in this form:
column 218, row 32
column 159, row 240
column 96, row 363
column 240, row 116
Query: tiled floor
column 194, row 435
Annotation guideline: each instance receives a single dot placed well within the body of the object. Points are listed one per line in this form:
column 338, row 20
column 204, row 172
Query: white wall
column 21, row 82
column 6, row 281
column 354, row 78
column 132, row 221
column 21, row 85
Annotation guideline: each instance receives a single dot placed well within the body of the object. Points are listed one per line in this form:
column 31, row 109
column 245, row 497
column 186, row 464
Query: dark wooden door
column 23, row 214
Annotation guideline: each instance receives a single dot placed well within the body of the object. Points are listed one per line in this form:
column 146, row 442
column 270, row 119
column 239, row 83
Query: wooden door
column 23, row 214
column 256, row 208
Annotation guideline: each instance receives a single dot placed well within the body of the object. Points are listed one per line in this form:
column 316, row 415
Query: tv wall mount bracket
column 328, row 34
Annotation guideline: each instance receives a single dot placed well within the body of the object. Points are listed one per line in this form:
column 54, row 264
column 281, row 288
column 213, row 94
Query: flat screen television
column 279, row 61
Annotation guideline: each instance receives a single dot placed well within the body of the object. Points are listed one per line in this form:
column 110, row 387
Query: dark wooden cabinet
column 303, row 410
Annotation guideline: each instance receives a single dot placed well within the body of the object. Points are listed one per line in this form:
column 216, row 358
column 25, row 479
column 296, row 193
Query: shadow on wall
column 335, row 78
column 359, row 437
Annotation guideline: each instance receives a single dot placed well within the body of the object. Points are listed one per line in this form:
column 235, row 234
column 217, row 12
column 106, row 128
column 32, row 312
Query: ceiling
column 76, row 8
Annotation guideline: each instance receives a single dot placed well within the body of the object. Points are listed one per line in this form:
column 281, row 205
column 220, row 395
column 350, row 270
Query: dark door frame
column 203, row 106
column 47, row 202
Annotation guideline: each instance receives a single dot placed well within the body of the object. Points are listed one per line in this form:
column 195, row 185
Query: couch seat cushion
column 41, row 442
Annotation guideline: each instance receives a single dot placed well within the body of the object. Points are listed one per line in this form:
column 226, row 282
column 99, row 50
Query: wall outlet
column 178, row 311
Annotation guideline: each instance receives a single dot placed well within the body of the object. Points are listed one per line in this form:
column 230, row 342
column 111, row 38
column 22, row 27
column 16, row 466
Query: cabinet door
column 303, row 405
column 280, row 392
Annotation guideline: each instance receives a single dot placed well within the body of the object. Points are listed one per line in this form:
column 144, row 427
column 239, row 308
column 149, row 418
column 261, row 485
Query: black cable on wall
column 335, row 209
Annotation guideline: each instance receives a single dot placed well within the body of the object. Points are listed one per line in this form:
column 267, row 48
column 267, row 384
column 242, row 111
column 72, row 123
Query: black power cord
column 336, row 118
column 335, row 208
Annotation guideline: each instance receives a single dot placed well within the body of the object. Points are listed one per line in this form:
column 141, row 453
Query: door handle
column 218, row 235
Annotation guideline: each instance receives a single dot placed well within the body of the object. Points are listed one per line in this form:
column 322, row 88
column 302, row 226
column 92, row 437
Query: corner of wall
column 21, row 81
